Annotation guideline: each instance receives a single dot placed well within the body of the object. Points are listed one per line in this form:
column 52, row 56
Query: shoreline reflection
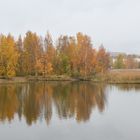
column 36, row 100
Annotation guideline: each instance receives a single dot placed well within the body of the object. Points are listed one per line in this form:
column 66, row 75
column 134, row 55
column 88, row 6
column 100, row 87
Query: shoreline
column 40, row 79
column 123, row 76
column 19, row 80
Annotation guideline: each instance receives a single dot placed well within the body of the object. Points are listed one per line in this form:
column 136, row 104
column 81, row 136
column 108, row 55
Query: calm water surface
column 69, row 111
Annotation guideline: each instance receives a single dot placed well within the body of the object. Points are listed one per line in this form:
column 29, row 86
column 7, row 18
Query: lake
column 69, row 111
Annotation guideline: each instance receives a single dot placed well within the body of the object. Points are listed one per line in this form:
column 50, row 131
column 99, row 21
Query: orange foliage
column 33, row 55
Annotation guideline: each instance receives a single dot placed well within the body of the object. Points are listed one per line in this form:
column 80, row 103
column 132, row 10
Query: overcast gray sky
column 115, row 23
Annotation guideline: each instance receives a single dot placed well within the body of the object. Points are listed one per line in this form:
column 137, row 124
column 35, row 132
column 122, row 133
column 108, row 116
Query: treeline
column 35, row 55
column 126, row 62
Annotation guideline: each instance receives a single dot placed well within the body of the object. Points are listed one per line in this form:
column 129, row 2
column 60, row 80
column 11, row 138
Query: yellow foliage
column 49, row 68
column 8, row 56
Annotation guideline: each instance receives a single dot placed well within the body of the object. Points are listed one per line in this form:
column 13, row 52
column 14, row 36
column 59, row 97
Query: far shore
column 122, row 76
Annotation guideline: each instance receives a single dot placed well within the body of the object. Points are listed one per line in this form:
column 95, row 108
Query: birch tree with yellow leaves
column 8, row 56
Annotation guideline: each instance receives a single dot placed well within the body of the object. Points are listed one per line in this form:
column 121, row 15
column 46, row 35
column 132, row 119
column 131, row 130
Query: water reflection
column 37, row 100
column 128, row 87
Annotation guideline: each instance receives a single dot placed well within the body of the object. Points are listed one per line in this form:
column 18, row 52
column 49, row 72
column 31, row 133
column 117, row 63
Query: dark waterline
column 69, row 110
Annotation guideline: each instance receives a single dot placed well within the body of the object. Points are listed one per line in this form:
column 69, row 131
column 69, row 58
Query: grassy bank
column 34, row 79
column 113, row 76
column 124, row 76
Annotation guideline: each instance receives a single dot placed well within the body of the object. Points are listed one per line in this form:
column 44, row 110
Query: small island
column 69, row 58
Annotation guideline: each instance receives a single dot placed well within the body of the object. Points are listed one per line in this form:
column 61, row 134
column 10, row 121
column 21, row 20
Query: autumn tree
column 49, row 54
column 63, row 61
column 85, row 54
column 130, row 62
column 20, row 63
column 71, row 54
column 8, row 56
column 32, row 52
column 119, row 62
column 102, row 60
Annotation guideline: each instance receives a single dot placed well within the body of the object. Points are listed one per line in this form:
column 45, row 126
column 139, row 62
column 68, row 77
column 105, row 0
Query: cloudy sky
column 115, row 23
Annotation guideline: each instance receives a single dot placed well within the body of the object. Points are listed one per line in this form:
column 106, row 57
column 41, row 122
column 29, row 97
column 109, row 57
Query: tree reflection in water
column 37, row 100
